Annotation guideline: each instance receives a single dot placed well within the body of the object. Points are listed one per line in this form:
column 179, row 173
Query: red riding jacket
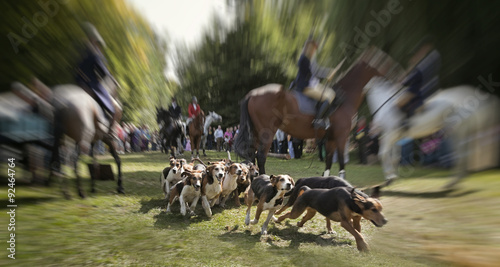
column 192, row 112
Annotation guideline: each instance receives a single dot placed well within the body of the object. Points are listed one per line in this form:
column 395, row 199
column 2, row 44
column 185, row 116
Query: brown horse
column 195, row 133
column 265, row 109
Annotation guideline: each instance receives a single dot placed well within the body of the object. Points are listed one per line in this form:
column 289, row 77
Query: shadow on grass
column 445, row 193
column 161, row 203
column 175, row 220
column 290, row 233
column 24, row 201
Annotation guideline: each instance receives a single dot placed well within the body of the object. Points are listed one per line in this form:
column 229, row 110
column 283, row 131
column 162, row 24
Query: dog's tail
column 243, row 145
column 303, row 189
column 200, row 161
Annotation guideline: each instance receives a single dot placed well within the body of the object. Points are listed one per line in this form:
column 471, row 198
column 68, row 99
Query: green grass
column 427, row 226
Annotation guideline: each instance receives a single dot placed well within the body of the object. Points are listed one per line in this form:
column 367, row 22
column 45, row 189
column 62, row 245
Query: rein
column 383, row 104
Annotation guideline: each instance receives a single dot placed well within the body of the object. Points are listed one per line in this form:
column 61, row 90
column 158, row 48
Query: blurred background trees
column 50, row 49
column 261, row 46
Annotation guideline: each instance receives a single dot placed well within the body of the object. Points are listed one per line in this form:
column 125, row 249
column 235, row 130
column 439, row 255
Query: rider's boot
column 319, row 120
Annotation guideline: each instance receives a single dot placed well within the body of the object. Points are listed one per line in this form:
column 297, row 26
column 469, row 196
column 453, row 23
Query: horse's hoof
column 204, row 155
column 120, row 190
column 81, row 194
column 93, row 191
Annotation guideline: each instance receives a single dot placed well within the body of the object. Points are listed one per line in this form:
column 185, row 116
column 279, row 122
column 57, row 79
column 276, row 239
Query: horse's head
column 213, row 117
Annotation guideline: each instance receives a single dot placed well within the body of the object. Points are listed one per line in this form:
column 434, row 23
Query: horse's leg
column 387, row 156
column 204, row 144
column 262, row 155
column 330, row 150
column 109, row 141
column 341, row 142
column 55, row 161
column 75, row 167
column 95, row 169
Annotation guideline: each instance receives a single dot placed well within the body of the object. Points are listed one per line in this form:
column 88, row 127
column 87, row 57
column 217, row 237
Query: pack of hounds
column 219, row 181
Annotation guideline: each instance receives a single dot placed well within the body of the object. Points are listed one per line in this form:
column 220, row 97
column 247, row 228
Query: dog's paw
column 192, row 213
column 254, row 221
column 275, row 219
column 264, row 232
column 299, row 224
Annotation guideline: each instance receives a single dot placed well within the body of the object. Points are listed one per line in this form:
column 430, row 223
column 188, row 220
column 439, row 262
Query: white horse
column 463, row 112
column 209, row 119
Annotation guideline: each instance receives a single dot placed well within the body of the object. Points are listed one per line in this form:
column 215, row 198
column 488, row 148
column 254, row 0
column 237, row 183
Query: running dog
column 312, row 182
column 187, row 191
column 229, row 184
column 211, row 186
column 250, row 171
column 341, row 204
column 171, row 175
column 269, row 191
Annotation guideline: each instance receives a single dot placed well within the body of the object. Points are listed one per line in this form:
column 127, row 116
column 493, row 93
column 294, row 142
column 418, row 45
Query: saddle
column 310, row 106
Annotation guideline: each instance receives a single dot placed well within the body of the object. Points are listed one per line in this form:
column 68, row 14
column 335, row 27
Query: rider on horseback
column 423, row 79
column 193, row 111
column 307, row 82
column 92, row 69
column 174, row 109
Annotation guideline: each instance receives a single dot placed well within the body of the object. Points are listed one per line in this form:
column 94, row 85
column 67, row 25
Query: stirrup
column 321, row 123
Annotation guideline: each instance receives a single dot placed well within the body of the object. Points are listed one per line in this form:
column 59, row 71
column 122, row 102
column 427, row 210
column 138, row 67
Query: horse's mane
column 378, row 59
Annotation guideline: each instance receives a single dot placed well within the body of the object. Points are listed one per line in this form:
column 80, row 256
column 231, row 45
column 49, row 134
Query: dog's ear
column 358, row 199
column 274, row 179
column 375, row 192
column 291, row 180
column 209, row 170
column 185, row 174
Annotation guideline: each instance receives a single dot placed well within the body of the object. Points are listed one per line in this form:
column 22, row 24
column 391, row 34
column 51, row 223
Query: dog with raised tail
column 341, row 204
column 269, row 192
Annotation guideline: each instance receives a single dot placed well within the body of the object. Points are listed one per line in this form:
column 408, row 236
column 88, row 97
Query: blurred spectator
column 290, row 147
column 136, row 139
column 361, row 137
column 228, row 139
column 210, row 138
column 282, row 142
column 219, row 138
column 145, row 137
column 154, row 141
column 120, row 139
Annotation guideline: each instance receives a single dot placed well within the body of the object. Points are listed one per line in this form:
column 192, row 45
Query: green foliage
column 267, row 38
column 136, row 54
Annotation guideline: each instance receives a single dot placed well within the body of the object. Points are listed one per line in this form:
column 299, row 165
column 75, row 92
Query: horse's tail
column 244, row 140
